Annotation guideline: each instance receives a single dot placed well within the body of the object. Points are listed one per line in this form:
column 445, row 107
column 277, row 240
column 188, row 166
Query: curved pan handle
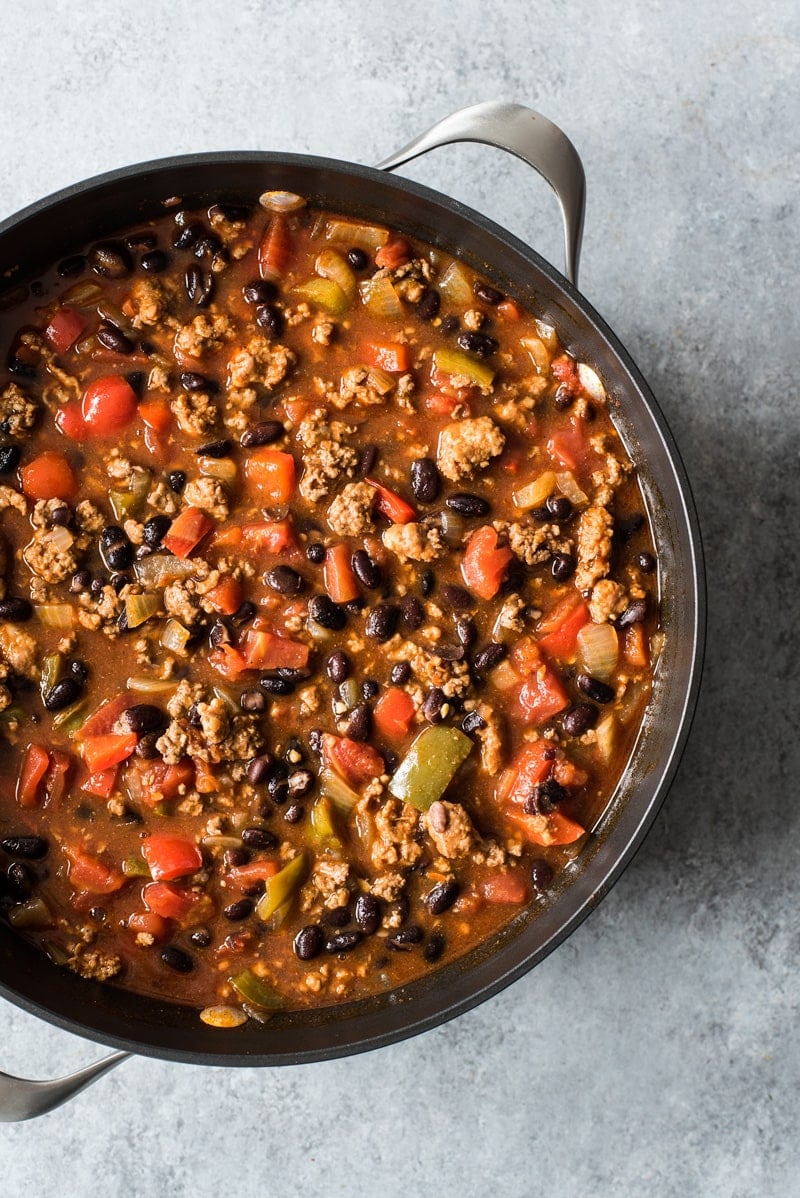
column 21, row 1099
column 529, row 136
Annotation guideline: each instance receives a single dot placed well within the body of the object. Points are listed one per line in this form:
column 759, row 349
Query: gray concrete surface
column 656, row 1053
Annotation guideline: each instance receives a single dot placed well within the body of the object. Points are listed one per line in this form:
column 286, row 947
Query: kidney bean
column 579, row 719
column 215, row 449
column 489, row 657
column 466, row 631
column 442, row 897
column 366, row 570
column 15, row 609
column 405, row 938
column 599, row 691
column 368, row 914
column 367, row 459
column 144, row 717
column 113, row 339
column 426, row 481
column 432, row 705
column 31, row 847
column 327, row 613
column 343, row 942
column 467, row 504
column 309, row 942
column 457, row 597
column 382, row 622
column 258, row 769
column 263, row 433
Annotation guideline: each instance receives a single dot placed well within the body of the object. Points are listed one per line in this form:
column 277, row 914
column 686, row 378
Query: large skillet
column 61, row 224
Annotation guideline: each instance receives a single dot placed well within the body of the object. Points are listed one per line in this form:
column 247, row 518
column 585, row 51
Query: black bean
column 154, row 262
column 301, row 782
column 62, row 695
column 284, row 580
column 426, row 481
column 252, row 701
column 382, row 622
column 559, row 508
column 324, row 611
column 544, row 797
column 541, row 874
column 634, row 613
column 199, row 286
column 563, row 397
column 562, row 566
column 309, row 942
column 269, row 319
column 20, row 880
column 293, row 813
column 457, row 597
column 209, row 243
column 22, row 370
column 176, row 480
column 645, row 561
column 442, row 897
column 191, row 381
column 115, row 548
column 343, row 942
column 155, row 529
column 98, row 583
column 479, row 344
column 79, row 670
column 31, row 847
column 579, row 719
column 427, row 583
column 434, row 947
column 489, row 657
column 467, row 504
column 359, row 723
column 15, row 609
column 215, row 449
column 628, row 527
column 177, row 959
column 232, row 858
column 472, row 722
column 275, row 685
column 413, row 612
column 405, row 938
column 315, row 553
column 147, row 746
column 432, row 706
column 187, row 234
column 238, row 910
column 450, row 652
column 357, row 258
column 400, row 673
column 111, row 337
column 599, row 691
column 487, row 293
column 219, row 634
column 366, row 570
column 429, row 304
column 338, row 666
column 260, row 291
column 259, row 838
column 144, row 717
column 258, row 769
column 336, row 917
column 74, row 265
column 109, row 260
column 367, row 914
column 263, row 433
column 245, row 613
column 466, row 631
column 80, row 581
column 200, row 937
column 278, row 783
column 9, row 458
column 232, row 213
column 370, row 688
column 450, row 324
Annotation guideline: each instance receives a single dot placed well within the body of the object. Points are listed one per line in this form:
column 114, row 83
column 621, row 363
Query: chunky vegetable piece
column 328, row 608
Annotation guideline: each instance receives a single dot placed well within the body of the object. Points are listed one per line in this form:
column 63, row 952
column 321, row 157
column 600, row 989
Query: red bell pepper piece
column 171, row 857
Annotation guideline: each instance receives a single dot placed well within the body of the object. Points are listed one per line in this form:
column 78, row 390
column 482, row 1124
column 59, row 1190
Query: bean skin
column 263, row 433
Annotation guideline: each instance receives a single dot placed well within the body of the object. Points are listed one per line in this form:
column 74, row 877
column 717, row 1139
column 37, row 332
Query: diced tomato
column 391, row 356
column 531, row 766
column 35, row 765
column 510, row 887
column 148, row 923
column 49, row 476
column 170, row 902
column 439, row 404
column 525, row 656
column 541, row 696
column 392, row 506
column 159, row 781
column 270, row 536
column 275, row 250
column 108, row 405
column 394, row 713
column 69, row 421
column 102, row 783
column 227, row 596
column 563, row 368
column 227, row 661
column 187, row 531
column 171, row 857
column 509, row 311
column 268, row 651
column 102, row 721
column 569, row 446
column 64, row 329
column 635, row 647
column 340, row 581
column 561, row 627
column 156, row 415
column 243, row 876
column 395, row 253
column 355, row 761
column 484, row 564
column 567, row 773
column 206, row 781
column 554, row 828
column 270, row 473
column 295, row 409
column 101, row 752
column 55, row 783
column 89, row 873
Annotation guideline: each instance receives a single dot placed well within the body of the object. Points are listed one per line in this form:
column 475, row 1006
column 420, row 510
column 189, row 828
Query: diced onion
column 504, row 676
column 598, row 647
column 380, row 381
column 455, row 286
column 55, row 615
column 139, row 608
column 539, row 354
column 337, row 790
column 351, row 233
column 83, row 295
column 606, row 737
column 547, row 334
column 535, row 493
column 590, row 381
column 175, row 637
column 380, row 298
column 221, row 842
column 331, row 265
column 281, row 201
column 161, row 568
column 567, row 486
column 325, row 294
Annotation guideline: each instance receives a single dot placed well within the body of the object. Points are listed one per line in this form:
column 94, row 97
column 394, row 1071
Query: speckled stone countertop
column 657, row 1051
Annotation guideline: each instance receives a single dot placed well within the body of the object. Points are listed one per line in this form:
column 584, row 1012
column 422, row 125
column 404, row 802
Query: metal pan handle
column 529, row 136
column 21, row 1099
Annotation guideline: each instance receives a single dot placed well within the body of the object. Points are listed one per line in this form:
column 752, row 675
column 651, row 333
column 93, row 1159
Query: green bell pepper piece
column 430, row 765
column 453, row 361
column 281, row 887
column 255, row 990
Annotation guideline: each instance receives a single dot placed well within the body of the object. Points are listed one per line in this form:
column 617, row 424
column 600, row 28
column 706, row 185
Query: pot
column 99, row 207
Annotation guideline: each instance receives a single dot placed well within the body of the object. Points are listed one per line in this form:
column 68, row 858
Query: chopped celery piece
column 598, row 648
column 52, row 669
column 353, row 233
column 453, row 361
column 455, row 286
column 281, row 887
column 32, row 914
column 72, row 718
column 380, row 298
column 380, row 381
column 331, row 265
column 430, row 765
column 534, row 494
column 175, row 637
column 151, row 686
column 325, row 294
column 126, row 503
column 55, row 615
column 322, row 824
column 257, row 991
column 161, row 568
column 136, row 867
column 341, row 795
column 139, row 608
